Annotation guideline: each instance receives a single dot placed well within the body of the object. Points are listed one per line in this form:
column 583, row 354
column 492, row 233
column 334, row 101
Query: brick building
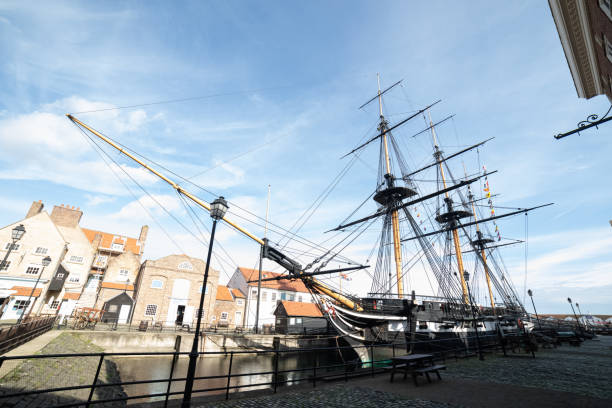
column 272, row 292
column 229, row 308
column 168, row 290
column 585, row 31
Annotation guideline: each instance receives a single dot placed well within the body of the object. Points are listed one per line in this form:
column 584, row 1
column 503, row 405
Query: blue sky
column 290, row 77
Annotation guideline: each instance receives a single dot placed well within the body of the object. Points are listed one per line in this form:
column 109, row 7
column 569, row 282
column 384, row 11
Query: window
column 238, row 318
column 54, row 304
column 254, row 292
column 112, row 308
column 101, row 261
column 74, row 279
column 264, row 296
column 123, row 274
column 185, row 265
column 292, row 297
column 20, row 304
column 76, row 259
column 300, row 298
column 298, row 320
column 273, row 296
column 41, row 251
column 200, row 290
column 33, row 270
column 278, row 321
column 239, row 302
column 201, row 313
column 157, row 284
column 223, row 316
column 117, row 247
column 15, row 246
column 283, row 296
column 292, row 320
column 4, row 265
column 151, row 310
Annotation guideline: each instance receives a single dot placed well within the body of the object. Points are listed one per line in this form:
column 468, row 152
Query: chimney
column 35, row 208
column 143, row 237
column 66, row 216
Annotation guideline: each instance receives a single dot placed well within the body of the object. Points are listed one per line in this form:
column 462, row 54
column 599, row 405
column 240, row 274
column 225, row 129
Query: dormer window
column 185, row 266
column 117, row 247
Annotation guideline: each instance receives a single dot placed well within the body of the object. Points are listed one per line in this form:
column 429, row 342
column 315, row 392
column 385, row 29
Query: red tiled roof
column 301, row 309
column 237, row 293
column 108, row 239
column 25, row 291
column 223, row 293
column 281, row 284
column 72, row 295
column 111, row 285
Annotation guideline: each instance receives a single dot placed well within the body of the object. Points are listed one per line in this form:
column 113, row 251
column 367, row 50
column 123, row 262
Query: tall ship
column 403, row 202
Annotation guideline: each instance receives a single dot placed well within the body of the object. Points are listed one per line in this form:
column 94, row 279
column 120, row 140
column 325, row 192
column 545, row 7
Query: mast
column 397, row 249
column 480, row 242
column 273, row 254
column 452, row 215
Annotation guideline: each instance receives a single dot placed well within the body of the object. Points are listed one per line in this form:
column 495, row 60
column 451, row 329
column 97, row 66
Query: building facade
column 54, row 289
column 115, row 267
column 299, row 318
column 272, row 292
column 229, row 308
column 585, row 31
column 168, row 291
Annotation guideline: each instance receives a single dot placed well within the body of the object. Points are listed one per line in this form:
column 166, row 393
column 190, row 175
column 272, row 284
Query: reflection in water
column 157, row 368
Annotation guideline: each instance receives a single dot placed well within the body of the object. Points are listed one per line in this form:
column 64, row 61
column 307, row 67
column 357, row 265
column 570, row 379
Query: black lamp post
column 569, row 300
column 466, row 277
column 45, row 262
column 530, row 293
column 218, row 208
column 16, row 235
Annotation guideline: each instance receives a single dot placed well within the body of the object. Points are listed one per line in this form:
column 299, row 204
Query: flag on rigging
column 345, row 276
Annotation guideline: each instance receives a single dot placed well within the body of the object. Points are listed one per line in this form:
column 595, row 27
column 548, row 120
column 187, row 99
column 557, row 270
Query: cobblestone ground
column 338, row 396
column 585, row 370
column 37, row 374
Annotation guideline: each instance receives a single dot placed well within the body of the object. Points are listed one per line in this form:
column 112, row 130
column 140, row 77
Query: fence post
column 229, row 375
column 393, row 349
column 275, row 370
column 93, row 385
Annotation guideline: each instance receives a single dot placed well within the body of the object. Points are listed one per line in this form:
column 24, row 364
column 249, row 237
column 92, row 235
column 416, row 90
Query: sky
column 268, row 94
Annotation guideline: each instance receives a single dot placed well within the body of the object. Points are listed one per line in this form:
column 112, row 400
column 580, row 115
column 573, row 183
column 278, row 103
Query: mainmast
column 394, row 217
column 451, row 216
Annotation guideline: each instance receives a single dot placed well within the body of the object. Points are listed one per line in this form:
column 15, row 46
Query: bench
column 426, row 370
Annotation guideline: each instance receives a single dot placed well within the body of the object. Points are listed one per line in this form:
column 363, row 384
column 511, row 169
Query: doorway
column 180, row 312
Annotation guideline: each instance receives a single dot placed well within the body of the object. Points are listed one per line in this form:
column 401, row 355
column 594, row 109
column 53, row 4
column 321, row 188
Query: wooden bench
column 426, row 370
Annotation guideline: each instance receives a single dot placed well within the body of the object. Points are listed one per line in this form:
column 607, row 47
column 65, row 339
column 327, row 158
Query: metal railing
column 441, row 349
column 17, row 334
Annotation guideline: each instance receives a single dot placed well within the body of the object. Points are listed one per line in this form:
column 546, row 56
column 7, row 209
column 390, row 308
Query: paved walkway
column 31, row 347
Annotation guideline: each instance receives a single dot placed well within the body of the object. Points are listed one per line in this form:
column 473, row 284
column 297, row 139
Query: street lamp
column 466, row 277
column 530, row 293
column 218, row 208
column 16, row 235
column 569, row 300
column 45, row 262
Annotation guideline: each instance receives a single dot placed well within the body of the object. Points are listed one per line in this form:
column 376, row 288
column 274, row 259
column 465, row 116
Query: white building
column 56, row 288
column 272, row 292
